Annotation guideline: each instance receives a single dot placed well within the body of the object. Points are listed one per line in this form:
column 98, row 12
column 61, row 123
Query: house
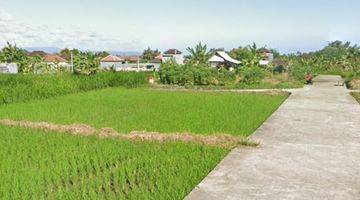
column 56, row 61
column 130, row 59
column 173, row 55
column 222, row 59
column 8, row 68
column 154, row 64
column 111, row 61
column 266, row 56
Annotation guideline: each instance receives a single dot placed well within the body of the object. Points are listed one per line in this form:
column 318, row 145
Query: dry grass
column 223, row 140
column 355, row 84
column 356, row 95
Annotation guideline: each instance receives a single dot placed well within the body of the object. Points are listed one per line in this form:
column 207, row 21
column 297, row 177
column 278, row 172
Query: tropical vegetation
column 285, row 70
column 48, row 165
column 25, row 87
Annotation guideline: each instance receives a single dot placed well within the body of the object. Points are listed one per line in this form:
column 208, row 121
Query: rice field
column 127, row 110
column 40, row 165
column 37, row 164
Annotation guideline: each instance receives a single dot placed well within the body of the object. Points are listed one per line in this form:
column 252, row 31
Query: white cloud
column 26, row 35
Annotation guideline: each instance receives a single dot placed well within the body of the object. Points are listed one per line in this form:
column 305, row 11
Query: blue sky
column 287, row 25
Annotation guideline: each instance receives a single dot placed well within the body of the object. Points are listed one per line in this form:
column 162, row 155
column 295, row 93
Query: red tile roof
column 111, row 58
column 131, row 58
column 53, row 58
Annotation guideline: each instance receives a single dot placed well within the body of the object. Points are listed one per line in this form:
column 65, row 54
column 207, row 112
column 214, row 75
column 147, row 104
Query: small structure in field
column 266, row 57
column 173, row 55
column 111, row 61
column 130, row 59
column 56, row 61
column 222, row 59
column 8, row 68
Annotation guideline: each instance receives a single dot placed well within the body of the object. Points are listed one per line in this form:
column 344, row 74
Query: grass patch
column 128, row 110
column 40, row 165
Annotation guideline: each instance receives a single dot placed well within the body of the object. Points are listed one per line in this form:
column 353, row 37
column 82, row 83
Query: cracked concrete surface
column 310, row 149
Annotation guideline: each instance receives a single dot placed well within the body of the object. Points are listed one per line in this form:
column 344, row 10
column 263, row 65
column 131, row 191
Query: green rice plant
column 20, row 88
column 141, row 109
column 45, row 165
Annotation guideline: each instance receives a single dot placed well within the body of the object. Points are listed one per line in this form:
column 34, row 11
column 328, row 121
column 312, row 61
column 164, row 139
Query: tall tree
column 199, row 54
column 12, row 53
column 86, row 63
column 66, row 53
column 102, row 54
column 253, row 57
column 150, row 54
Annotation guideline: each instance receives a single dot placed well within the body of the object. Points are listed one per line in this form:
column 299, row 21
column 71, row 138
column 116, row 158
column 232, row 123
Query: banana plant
column 199, row 54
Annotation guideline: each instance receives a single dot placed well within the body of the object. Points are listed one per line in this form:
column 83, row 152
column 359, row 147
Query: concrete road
column 310, row 149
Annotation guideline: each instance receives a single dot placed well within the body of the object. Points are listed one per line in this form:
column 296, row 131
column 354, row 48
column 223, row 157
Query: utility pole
column 138, row 64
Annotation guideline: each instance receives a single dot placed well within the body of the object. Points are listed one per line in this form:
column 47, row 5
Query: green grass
column 128, row 110
column 26, row 87
column 39, row 165
column 357, row 96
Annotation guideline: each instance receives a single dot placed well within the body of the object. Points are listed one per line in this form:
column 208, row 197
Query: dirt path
column 310, row 149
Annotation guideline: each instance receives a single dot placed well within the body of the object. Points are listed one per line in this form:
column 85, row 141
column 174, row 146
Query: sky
column 132, row 25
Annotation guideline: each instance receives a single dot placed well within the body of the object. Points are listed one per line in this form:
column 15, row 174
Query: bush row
column 22, row 87
column 204, row 75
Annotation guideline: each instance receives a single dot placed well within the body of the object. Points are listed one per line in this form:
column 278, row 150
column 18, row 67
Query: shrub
column 189, row 74
column 253, row 75
column 299, row 71
column 87, row 63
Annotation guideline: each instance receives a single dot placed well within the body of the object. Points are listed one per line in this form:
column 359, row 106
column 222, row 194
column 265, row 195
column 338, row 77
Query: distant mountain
column 45, row 49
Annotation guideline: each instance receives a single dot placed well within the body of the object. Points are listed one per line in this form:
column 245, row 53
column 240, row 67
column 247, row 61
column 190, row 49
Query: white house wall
column 107, row 65
column 179, row 59
column 9, row 68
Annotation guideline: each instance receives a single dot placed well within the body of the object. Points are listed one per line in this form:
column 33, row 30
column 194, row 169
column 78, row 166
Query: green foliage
column 102, row 54
column 150, row 54
column 86, row 63
column 151, row 110
column 188, row 74
column 18, row 88
column 66, row 53
column 249, row 56
column 43, row 165
column 299, row 69
column 13, row 54
column 336, row 58
column 253, row 75
column 199, row 55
